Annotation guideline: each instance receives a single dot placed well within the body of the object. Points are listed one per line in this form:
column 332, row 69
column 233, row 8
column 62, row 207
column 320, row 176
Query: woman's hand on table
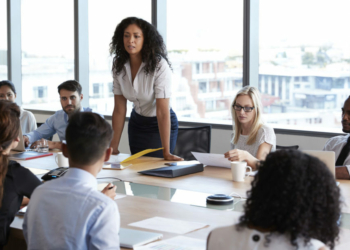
column 236, row 155
column 170, row 157
column 115, row 152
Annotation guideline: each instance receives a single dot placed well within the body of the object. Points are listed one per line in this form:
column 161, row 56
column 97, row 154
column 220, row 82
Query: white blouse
column 146, row 87
column 265, row 134
column 228, row 238
column 28, row 122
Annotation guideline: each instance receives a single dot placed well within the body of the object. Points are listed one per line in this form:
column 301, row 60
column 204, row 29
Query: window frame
column 159, row 19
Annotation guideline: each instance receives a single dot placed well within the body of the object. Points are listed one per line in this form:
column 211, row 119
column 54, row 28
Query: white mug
column 238, row 169
column 61, row 161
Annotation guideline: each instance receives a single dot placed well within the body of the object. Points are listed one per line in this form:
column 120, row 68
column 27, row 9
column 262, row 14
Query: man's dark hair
column 9, row 84
column 294, row 194
column 71, row 85
column 88, row 136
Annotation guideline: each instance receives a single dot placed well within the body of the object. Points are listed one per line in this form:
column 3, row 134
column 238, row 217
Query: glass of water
column 43, row 146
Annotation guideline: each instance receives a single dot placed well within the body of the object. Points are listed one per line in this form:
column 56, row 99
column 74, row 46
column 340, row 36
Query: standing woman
column 142, row 75
column 15, row 180
column 252, row 140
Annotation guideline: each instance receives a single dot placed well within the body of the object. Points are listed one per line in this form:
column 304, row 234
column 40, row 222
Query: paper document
column 38, row 171
column 216, row 160
column 168, row 225
column 139, row 154
column 113, row 166
column 176, row 243
column 117, row 159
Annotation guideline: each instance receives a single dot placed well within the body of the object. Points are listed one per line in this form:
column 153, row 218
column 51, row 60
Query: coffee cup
column 239, row 170
column 61, row 161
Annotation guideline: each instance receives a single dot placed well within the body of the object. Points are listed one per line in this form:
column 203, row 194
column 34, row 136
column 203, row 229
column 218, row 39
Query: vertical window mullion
column 14, row 50
column 81, row 47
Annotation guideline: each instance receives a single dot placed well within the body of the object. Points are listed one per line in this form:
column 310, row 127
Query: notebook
column 130, row 238
column 28, row 155
column 176, row 169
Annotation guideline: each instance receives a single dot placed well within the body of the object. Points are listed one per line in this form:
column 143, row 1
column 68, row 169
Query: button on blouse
column 146, row 88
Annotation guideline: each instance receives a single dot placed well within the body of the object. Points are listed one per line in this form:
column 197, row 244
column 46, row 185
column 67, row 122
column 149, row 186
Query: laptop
column 20, row 146
column 328, row 157
column 25, row 154
column 130, row 238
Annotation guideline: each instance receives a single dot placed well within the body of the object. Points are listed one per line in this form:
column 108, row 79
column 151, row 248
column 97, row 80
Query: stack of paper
column 176, row 243
column 169, row 225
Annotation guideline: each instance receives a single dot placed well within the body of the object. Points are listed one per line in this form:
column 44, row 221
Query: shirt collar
column 66, row 117
column 21, row 112
column 82, row 176
column 128, row 68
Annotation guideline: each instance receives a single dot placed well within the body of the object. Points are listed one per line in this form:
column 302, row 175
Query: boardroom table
column 182, row 198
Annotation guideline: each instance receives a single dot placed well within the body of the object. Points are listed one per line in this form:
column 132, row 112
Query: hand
column 26, row 141
column 170, row 157
column 34, row 144
column 25, row 202
column 236, row 155
column 342, row 173
column 55, row 144
column 109, row 190
column 115, row 152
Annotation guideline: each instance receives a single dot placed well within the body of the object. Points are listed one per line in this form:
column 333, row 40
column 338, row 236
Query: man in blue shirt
column 70, row 97
column 69, row 213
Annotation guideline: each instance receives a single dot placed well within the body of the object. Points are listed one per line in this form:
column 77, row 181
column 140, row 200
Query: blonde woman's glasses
column 239, row 108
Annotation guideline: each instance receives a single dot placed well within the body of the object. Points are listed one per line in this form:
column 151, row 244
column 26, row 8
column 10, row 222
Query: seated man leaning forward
column 69, row 213
column 70, row 97
column 341, row 145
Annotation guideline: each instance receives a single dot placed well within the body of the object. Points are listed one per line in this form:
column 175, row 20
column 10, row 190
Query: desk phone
column 54, row 173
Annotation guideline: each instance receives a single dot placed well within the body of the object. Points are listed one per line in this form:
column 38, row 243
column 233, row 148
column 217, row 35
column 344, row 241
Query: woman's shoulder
column 266, row 129
column 14, row 168
column 163, row 63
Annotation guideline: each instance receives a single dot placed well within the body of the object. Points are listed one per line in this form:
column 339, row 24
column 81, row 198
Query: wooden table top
column 211, row 180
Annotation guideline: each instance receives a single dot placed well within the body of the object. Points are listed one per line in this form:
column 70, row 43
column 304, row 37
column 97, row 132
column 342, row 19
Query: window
column 208, row 51
column 310, row 57
column 104, row 16
column 47, row 51
column 202, row 87
column 40, row 93
column 3, row 40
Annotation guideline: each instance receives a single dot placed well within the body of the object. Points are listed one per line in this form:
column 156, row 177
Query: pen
column 111, row 187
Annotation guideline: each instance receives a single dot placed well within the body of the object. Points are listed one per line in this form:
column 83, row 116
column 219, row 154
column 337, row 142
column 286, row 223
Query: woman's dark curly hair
column 153, row 49
column 294, row 194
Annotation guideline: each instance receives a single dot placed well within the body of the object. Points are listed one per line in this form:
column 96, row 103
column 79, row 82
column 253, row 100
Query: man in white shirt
column 8, row 92
column 69, row 213
column 341, row 145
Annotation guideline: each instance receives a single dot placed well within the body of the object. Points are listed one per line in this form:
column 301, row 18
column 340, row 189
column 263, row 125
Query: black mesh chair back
column 295, row 147
column 38, row 124
column 195, row 139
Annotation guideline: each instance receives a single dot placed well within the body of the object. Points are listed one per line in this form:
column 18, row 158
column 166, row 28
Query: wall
column 220, row 139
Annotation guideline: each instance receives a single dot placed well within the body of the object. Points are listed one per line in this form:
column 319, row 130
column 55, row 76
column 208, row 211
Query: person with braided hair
column 293, row 204
column 16, row 182
column 142, row 75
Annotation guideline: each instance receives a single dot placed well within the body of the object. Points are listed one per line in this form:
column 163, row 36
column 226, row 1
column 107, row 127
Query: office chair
column 195, row 139
column 38, row 124
column 295, row 147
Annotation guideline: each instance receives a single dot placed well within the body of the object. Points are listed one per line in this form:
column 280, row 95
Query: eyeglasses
column 239, row 108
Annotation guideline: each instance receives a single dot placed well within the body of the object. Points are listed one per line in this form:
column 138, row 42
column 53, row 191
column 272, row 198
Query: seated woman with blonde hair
column 252, row 139
column 293, row 204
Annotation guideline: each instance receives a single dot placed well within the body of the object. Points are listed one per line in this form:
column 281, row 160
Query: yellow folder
column 139, row 154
